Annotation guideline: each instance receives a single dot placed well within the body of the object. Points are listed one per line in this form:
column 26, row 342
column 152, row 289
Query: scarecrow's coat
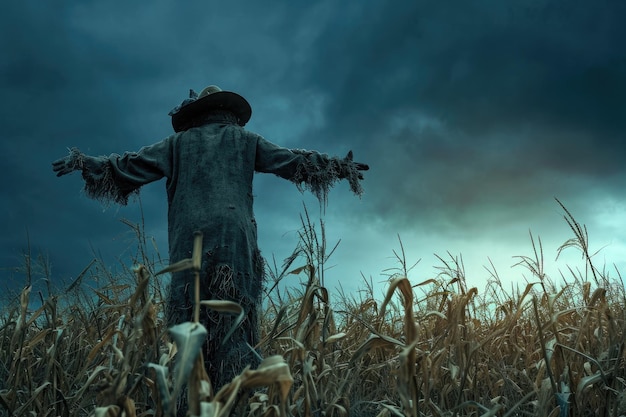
column 209, row 172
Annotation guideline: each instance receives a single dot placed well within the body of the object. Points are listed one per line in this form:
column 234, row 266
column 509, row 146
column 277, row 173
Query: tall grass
column 433, row 347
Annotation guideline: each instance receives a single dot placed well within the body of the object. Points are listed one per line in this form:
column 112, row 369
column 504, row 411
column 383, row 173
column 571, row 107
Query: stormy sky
column 473, row 116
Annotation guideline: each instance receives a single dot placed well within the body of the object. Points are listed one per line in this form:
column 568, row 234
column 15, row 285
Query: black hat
column 211, row 98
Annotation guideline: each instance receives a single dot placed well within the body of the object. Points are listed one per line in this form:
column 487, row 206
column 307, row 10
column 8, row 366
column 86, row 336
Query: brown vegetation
column 431, row 348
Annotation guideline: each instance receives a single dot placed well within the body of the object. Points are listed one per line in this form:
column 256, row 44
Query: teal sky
column 473, row 117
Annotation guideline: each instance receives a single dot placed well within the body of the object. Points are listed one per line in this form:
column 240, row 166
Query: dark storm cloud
column 478, row 65
column 500, row 103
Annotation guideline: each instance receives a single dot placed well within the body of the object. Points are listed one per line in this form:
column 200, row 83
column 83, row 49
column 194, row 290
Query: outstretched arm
column 309, row 170
column 116, row 177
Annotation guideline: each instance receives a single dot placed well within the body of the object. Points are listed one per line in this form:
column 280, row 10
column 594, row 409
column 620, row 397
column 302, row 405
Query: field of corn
column 430, row 347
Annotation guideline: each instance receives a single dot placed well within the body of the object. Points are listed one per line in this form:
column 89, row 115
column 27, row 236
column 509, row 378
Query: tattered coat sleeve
column 309, row 170
column 116, row 177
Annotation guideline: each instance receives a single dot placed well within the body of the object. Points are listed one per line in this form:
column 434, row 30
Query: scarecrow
column 209, row 164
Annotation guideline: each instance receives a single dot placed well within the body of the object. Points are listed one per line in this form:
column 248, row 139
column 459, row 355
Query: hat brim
column 221, row 100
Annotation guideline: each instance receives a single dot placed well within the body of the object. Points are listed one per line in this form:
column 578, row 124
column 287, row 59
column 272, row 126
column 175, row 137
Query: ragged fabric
column 318, row 173
column 100, row 183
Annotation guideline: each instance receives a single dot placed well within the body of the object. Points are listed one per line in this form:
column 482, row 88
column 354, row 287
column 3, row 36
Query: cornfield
column 430, row 347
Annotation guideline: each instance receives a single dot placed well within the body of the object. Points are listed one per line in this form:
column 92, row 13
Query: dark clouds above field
column 472, row 115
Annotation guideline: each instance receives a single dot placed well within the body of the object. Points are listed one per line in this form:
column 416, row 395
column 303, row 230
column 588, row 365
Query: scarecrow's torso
column 210, row 190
